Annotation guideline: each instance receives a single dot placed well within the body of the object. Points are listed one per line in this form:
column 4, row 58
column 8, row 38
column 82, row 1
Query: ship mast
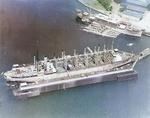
column 112, row 45
column 37, row 58
column 76, row 59
column 55, row 61
column 85, row 57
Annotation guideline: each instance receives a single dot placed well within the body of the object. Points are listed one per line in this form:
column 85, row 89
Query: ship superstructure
column 29, row 80
column 88, row 62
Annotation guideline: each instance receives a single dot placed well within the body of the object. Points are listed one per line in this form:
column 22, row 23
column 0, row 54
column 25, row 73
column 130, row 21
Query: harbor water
column 51, row 26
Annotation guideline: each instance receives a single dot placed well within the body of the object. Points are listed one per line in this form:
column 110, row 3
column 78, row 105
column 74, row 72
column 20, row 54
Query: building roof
column 136, row 8
column 124, row 4
column 136, row 2
column 133, row 14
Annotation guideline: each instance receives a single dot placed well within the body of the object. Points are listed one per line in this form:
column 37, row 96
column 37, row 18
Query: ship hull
column 75, row 73
column 45, row 86
column 90, row 68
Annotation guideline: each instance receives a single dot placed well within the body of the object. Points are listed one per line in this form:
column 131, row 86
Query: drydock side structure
column 28, row 80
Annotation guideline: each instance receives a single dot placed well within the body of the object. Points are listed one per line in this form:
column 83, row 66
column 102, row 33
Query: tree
column 105, row 4
column 122, row 9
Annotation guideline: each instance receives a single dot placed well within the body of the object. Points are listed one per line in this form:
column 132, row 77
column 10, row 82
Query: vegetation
column 122, row 9
column 106, row 4
column 95, row 4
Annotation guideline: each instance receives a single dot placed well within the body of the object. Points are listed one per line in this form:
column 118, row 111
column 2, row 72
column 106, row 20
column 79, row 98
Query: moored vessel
column 28, row 80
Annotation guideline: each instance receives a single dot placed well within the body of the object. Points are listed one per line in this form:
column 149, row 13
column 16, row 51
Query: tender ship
column 28, row 80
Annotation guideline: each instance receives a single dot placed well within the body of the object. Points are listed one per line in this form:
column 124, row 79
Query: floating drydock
column 28, row 80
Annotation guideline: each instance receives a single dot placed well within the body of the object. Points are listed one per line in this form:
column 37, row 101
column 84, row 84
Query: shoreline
column 141, row 24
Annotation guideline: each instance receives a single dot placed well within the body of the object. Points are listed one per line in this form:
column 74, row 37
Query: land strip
column 126, row 24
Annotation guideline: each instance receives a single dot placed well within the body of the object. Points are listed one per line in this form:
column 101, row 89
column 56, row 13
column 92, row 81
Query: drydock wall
column 35, row 90
column 91, row 80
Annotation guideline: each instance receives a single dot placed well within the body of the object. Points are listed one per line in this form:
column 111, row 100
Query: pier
column 106, row 25
column 135, row 29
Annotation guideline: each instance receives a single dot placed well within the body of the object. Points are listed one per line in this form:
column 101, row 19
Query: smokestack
column 62, row 54
column 74, row 52
column 45, row 61
column 55, row 61
column 84, row 50
column 98, row 48
column 104, row 48
column 34, row 59
column 95, row 49
column 47, row 67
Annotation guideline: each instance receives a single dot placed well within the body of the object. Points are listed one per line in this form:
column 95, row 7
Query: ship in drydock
column 28, row 80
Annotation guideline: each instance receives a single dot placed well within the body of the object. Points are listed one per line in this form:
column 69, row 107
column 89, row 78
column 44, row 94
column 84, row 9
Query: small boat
column 130, row 44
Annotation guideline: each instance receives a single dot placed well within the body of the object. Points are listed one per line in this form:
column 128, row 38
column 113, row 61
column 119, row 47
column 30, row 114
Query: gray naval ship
column 28, row 80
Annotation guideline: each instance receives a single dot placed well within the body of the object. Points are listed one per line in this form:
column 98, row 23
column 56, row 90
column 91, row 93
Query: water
column 53, row 24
